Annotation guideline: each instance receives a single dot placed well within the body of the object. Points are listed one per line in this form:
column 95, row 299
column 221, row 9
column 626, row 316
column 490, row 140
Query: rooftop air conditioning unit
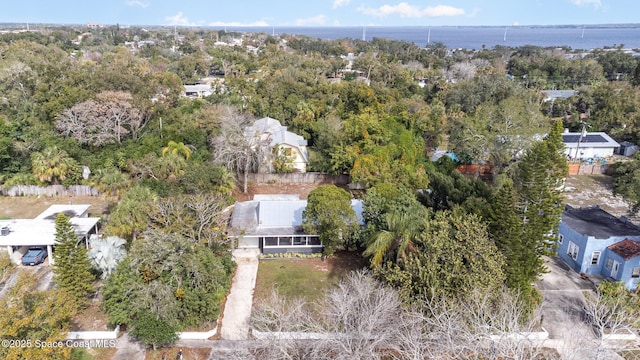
column 4, row 231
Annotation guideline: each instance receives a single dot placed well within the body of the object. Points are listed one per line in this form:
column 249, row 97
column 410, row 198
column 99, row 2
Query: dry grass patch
column 28, row 207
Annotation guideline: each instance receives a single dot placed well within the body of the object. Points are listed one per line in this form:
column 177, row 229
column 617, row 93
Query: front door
column 614, row 269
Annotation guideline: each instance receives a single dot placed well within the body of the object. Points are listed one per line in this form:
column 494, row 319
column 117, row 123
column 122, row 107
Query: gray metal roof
column 286, row 213
column 594, row 221
column 275, row 216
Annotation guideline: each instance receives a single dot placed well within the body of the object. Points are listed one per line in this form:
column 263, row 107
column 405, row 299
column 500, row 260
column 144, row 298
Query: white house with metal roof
column 17, row 235
column 273, row 223
column 589, row 145
column 270, row 131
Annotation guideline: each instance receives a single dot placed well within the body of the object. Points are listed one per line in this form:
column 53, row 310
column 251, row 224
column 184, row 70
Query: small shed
column 627, row 148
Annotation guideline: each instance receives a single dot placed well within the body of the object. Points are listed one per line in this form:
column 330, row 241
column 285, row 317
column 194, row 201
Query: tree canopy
column 330, row 215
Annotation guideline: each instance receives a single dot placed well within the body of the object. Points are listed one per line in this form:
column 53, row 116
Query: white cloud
column 315, row 20
column 178, row 20
column 595, row 3
column 235, row 23
column 406, row 10
column 138, row 3
column 338, row 3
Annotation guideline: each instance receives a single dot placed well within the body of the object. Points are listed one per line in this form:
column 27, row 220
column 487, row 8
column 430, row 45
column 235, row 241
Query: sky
column 273, row 13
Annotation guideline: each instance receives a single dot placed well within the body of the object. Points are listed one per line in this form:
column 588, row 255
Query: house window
column 635, row 273
column 300, row 240
column 608, row 264
column 285, row 241
column 573, row 250
column 560, row 238
column 595, row 257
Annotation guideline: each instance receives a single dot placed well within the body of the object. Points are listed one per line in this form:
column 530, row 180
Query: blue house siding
column 624, row 272
column 585, row 231
column 586, row 245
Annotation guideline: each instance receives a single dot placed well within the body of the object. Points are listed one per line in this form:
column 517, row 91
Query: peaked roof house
column 592, row 241
column 293, row 145
column 273, row 223
column 588, row 145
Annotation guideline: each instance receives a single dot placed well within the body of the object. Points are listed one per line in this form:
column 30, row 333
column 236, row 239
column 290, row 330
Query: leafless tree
column 363, row 319
column 609, row 315
column 199, row 217
column 106, row 119
column 235, row 151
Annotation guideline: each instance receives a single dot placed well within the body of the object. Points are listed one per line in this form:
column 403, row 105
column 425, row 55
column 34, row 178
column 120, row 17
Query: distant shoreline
column 270, row 27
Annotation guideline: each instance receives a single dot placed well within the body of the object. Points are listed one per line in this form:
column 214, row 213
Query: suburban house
column 273, row 223
column 553, row 95
column 198, row 90
column 594, row 242
column 270, row 131
column 588, row 145
column 18, row 235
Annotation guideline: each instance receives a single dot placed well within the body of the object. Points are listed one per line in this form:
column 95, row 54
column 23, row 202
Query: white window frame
column 595, row 256
column 608, row 264
column 573, row 250
column 635, row 272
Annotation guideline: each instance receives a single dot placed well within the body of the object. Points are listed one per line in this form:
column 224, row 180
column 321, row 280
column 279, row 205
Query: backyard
column 589, row 190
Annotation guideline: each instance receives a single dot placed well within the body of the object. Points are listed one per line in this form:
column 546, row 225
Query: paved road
column 128, row 349
column 237, row 309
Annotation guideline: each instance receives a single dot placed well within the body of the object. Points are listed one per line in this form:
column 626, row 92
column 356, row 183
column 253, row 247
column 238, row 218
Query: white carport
column 17, row 235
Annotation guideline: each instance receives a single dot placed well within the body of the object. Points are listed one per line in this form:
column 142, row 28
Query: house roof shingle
column 627, row 249
column 594, row 221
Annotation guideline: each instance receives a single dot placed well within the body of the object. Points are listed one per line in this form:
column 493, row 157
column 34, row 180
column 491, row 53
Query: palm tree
column 177, row 148
column 52, row 165
column 106, row 253
column 402, row 228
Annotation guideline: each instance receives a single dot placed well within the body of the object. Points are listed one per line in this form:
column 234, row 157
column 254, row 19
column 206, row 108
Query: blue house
column 592, row 241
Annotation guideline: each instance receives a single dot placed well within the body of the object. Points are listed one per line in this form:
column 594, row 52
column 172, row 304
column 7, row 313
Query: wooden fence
column 51, row 190
column 588, row 169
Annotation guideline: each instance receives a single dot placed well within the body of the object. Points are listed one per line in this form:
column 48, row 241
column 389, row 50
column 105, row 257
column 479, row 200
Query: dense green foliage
column 374, row 110
column 72, row 267
column 29, row 316
column 167, row 280
column 626, row 182
column 330, row 215
column 452, row 256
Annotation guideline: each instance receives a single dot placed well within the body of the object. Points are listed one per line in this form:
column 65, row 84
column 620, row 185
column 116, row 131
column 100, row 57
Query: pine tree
column 522, row 263
column 538, row 205
column 72, row 267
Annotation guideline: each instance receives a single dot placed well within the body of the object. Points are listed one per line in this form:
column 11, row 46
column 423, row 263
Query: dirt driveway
column 588, row 190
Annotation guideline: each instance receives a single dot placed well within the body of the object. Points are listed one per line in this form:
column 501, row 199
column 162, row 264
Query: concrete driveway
column 563, row 299
column 563, row 316
column 237, row 309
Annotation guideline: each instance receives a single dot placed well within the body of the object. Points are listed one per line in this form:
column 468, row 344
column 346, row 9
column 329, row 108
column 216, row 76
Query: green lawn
column 303, row 277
